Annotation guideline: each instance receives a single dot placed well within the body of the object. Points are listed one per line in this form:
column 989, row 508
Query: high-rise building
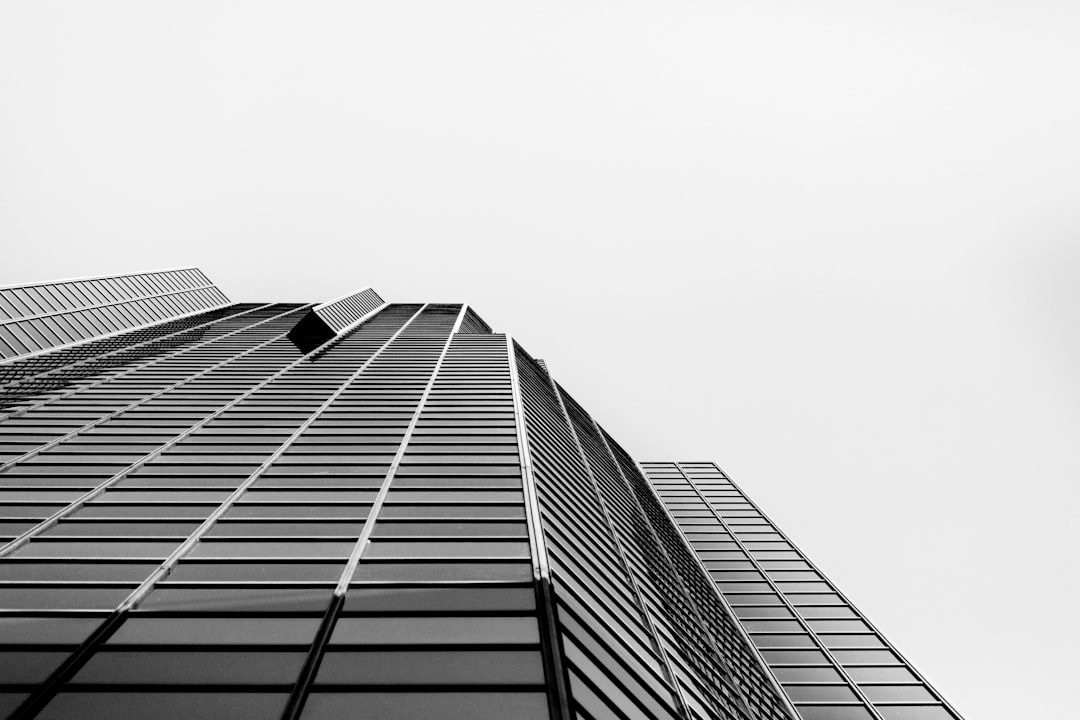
column 362, row 509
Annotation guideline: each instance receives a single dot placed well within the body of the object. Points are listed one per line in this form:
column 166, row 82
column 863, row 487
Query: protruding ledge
column 328, row 320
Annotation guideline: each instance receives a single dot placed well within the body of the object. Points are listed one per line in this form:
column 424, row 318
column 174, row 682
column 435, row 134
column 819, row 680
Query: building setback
column 362, row 509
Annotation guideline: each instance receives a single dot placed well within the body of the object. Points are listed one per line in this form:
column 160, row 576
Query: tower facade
column 362, row 509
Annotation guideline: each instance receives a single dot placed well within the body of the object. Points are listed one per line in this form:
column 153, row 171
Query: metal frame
column 635, row 587
column 47, row 690
column 102, row 487
column 106, row 336
column 787, row 603
column 14, row 384
column 147, row 363
column 100, row 305
column 775, row 528
column 99, row 277
column 559, row 693
column 157, row 393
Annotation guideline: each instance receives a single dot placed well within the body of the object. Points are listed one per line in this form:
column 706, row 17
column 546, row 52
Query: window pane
column 216, row 631
column 100, row 572
column 271, row 548
column 54, row 598
column 461, row 572
column 46, row 630
column 806, row 674
column 258, row 572
column 896, row 693
column 431, row 667
column 820, row 693
column 435, row 630
column 425, row 706
column 28, row 666
column 165, row 706
column 915, row 712
column 449, row 549
column 102, row 548
column 834, row 712
column 253, row 599
column 879, row 674
column 447, row 599
column 175, row 668
column 450, row 529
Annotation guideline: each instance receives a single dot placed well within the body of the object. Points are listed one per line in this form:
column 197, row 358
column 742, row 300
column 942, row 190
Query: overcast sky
column 834, row 246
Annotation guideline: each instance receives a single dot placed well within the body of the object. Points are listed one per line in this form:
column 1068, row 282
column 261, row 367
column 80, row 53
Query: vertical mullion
column 48, row 689
column 298, row 697
column 103, row 486
column 170, row 562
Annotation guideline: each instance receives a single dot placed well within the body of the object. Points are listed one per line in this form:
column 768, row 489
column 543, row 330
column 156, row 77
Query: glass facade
column 364, row 509
column 830, row 660
column 38, row 317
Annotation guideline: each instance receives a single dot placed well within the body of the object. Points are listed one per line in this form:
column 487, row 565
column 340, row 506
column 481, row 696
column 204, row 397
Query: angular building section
column 363, row 509
column 831, row 662
column 39, row 317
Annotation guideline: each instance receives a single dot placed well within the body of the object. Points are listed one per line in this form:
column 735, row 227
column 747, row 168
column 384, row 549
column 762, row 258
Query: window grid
column 685, row 628
column 828, row 658
column 34, row 318
column 23, row 402
column 227, row 349
column 310, row 375
column 39, row 373
column 613, row 664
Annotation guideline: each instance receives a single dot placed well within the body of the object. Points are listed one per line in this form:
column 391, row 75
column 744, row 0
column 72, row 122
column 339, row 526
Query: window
column 435, row 630
column 371, row 599
column 251, row 599
column 192, row 668
column 46, row 630
column 215, row 631
column 165, row 705
column 448, row 571
column 432, row 667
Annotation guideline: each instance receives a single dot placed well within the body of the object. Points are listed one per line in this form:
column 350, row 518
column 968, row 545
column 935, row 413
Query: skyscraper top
column 42, row 316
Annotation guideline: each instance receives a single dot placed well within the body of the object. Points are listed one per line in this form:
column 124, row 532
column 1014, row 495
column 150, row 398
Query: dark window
column 448, row 549
column 435, row 630
column 833, row 712
column 61, row 598
column 215, row 631
column 820, row 693
column 251, row 599
column 165, row 706
column 428, row 705
column 195, row 668
column 28, row 666
column 439, row 599
column 896, row 693
column 257, row 572
column 46, row 630
column 461, row 572
column 436, row 667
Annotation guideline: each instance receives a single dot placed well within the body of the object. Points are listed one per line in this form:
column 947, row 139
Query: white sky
column 834, row 246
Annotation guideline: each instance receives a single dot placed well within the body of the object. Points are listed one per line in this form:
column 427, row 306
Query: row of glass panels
column 22, row 337
column 830, row 661
column 46, row 298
